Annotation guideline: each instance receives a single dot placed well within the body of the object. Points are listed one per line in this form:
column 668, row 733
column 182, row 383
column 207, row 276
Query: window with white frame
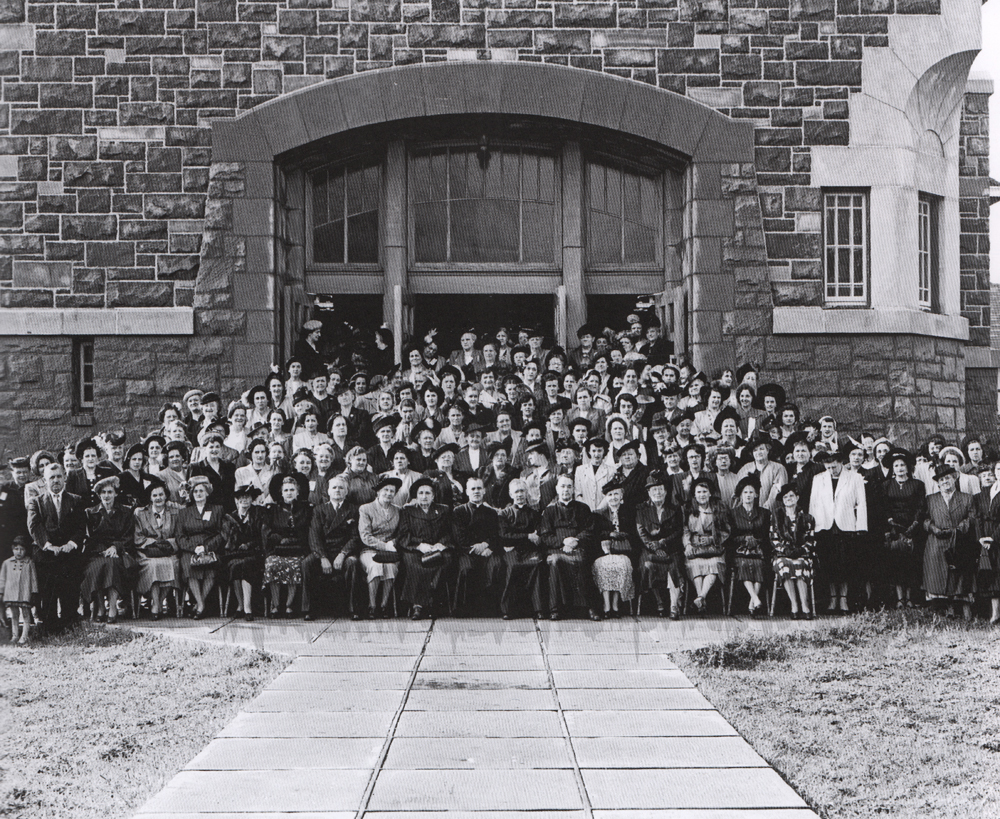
column 83, row 374
column 845, row 233
column 927, row 251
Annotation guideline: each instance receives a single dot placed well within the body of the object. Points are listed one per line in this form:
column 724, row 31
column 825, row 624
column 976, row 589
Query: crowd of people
column 510, row 478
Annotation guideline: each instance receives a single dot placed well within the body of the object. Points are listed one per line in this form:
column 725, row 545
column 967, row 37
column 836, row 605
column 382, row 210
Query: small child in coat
column 18, row 583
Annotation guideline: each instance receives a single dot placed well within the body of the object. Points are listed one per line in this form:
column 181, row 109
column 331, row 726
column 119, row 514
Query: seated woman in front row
column 793, row 540
column 706, row 529
column 285, row 533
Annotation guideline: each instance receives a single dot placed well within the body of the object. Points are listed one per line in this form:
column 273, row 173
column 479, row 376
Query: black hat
column 659, row 422
column 387, row 480
column 23, row 463
column 116, row 438
column 587, row 329
column 942, row 470
column 135, row 449
column 429, row 424
column 788, row 487
column 154, row 437
column 475, row 426
column 687, row 415
column 85, row 444
column 656, row 478
column 742, row 370
column 759, row 438
column 254, row 390
column 417, row 484
column 774, row 390
column 596, row 440
column 823, row 457
column 538, row 446
column 899, row 454
column 342, row 387
column 211, row 398
column 247, row 491
column 450, row 370
column 724, row 413
column 580, row 421
column 617, row 481
column 301, row 394
column 400, row 446
column 671, row 388
column 633, row 444
column 752, row 479
column 441, row 450
column 274, row 487
column 430, row 386
column 703, row 481
column 391, row 420
column 796, row 438
column 493, row 447
column 566, row 443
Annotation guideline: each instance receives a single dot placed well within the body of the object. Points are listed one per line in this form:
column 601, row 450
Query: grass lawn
column 889, row 715
column 95, row 721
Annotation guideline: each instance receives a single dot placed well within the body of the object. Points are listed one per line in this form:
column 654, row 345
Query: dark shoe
column 507, row 617
column 248, row 617
column 417, row 613
column 809, row 616
column 198, row 615
column 308, row 617
column 540, row 615
column 796, row 615
column 155, row 616
column 675, row 612
column 373, row 613
column 555, row 615
column 595, row 616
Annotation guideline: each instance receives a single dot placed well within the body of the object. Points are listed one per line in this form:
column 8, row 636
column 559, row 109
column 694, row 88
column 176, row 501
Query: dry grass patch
column 95, row 721
column 882, row 715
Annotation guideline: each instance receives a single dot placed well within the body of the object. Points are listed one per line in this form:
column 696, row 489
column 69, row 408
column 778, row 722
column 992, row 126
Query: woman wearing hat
column 200, row 541
column 377, row 525
column 448, row 490
column 221, row 473
column 660, row 526
column 243, row 568
column 285, row 536
column 952, row 551
column 37, row 487
column 84, row 480
column 425, row 538
column 772, row 475
column 613, row 569
column 399, row 456
column 156, row 544
column 793, row 541
column 751, row 540
column 135, row 479
column 707, row 524
column 952, row 456
column 902, row 511
column 109, row 551
column 988, row 574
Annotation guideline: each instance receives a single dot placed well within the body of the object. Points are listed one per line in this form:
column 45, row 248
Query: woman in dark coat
column 793, row 540
column 750, row 540
column 109, row 550
column 707, row 524
column 988, row 579
column 425, row 537
column 82, row 481
column 222, row 474
column 952, row 553
column 199, row 536
column 135, row 480
column 661, row 529
column 903, row 509
column 285, row 532
column 244, row 555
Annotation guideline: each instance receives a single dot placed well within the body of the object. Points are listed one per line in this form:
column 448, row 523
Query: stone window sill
column 118, row 321
column 867, row 321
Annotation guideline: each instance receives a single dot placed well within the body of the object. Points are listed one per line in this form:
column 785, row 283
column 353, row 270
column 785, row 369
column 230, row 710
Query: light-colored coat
column 847, row 508
column 588, row 483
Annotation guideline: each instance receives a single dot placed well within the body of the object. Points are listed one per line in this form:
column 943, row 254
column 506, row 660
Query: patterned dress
column 793, row 540
column 751, row 542
column 613, row 572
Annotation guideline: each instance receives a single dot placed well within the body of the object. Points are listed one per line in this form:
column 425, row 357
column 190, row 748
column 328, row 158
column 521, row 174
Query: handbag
column 158, row 549
column 387, row 557
column 432, row 560
column 206, row 559
column 899, row 542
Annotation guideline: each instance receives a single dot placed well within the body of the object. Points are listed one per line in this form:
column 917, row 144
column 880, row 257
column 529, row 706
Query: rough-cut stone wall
column 102, row 136
column 974, row 208
column 907, row 386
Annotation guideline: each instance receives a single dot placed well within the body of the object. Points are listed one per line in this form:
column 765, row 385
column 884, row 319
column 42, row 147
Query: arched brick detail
column 528, row 89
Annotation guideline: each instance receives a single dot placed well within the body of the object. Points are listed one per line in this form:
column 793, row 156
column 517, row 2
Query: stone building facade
column 810, row 177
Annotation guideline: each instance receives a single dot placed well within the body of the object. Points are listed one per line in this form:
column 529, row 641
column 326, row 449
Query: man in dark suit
column 57, row 522
column 334, row 546
column 476, row 530
column 13, row 513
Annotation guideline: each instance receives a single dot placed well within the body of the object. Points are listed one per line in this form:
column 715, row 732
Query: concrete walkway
column 477, row 718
